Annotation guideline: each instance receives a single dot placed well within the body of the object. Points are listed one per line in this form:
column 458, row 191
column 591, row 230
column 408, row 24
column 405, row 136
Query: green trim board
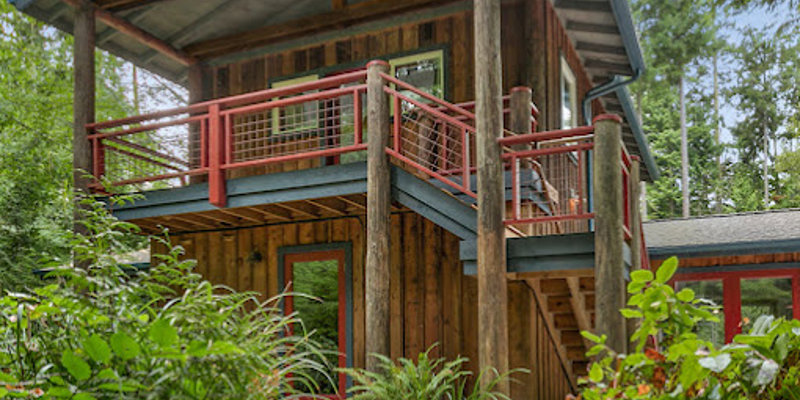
column 726, row 249
column 568, row 252
column 632, row 117
column 791, row 266
column 347, row 247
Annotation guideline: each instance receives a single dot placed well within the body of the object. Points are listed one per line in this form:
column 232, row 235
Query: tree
column 764, row 95
column 675, row 34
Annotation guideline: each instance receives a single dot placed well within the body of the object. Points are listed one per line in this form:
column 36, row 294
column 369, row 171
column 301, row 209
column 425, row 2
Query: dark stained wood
column 336, row 19
column 123, row 5
column 609, row 239
column 134, row 32
column 83, row 103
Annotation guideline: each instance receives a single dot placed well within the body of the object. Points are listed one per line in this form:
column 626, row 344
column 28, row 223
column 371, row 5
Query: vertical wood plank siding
column 452, row 33
column 432, row 302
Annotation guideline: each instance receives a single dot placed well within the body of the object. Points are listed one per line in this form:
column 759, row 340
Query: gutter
column 622, row 14
column 638, row 133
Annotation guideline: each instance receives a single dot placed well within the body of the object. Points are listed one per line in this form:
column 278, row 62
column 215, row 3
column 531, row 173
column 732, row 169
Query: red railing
column 314, row 123
column 308, row 121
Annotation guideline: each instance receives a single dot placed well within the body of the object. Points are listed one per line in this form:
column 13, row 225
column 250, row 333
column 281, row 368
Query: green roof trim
column 631, row 116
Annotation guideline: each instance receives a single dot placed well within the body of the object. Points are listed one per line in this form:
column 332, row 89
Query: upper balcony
column 323, row 123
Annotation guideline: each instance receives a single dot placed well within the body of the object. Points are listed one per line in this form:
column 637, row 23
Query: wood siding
column 431, row 300
column 533, row 42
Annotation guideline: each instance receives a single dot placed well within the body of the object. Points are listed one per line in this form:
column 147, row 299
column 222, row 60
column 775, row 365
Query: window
column 765, row 296
column 298, row 118
column 424, row 71
column 323, row 273
column 711, row 291
column 569, row 100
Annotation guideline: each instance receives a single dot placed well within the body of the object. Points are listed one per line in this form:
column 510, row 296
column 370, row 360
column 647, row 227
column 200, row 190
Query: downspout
column 622, row 14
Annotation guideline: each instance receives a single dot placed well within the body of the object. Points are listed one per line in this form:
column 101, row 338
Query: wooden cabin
column 429, row 168
column 746, row 263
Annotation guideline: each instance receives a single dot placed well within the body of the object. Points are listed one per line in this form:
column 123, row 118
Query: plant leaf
column 75, row 365
column 666, row 270
column 124, row 346
column 97, row 349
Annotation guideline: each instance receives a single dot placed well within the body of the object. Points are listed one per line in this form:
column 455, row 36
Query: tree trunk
column 684, row 151
column 766, row 168
column 716, row 133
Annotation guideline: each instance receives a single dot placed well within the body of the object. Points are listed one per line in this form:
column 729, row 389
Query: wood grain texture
column 609, row 238
column 492, row 288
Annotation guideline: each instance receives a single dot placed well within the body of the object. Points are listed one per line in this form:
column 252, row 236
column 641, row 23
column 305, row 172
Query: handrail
column 428, row 96
column 323, row 83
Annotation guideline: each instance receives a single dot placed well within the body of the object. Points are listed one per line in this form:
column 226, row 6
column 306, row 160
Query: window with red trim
column 744, row 296
column 321, row 275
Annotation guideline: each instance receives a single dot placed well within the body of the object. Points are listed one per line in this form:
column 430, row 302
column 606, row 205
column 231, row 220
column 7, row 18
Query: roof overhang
column 605, row 39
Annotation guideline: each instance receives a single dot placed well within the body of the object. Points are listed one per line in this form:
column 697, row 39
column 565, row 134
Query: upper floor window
column 569, row 99
column 425, row 71
column 297, row 118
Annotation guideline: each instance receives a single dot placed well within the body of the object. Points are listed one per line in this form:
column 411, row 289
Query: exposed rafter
column 135, row 32
column 122, row 5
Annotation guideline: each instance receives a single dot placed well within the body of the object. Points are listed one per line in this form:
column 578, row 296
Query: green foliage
column 425, row 379
column 764, row 364
column 99, row 333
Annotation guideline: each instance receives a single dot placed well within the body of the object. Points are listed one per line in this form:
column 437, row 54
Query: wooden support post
column 378, row 216
column 83, row 103
column 609, row 238
column 520, row 117
column 492, row 284
column 636, row 230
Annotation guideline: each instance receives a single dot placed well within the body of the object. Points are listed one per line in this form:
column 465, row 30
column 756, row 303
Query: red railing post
column 465, row 168
column 515, row 189
column 397, row 119
column 216, row 155
column 98, row 159
column 357, row 122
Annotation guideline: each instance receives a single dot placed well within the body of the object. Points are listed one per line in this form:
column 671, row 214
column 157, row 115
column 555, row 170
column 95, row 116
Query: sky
column 759, row 18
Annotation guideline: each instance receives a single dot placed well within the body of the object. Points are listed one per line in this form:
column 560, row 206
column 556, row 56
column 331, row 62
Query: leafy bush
column 760, row 365
column 165, row 333
column 427, row 379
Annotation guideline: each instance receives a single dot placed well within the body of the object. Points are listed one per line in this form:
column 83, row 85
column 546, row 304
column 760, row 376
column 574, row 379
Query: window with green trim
column 296, row 118
column 424, row 71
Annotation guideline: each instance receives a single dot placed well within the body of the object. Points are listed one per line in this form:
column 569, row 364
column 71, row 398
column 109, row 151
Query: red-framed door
column 339, row 256
column 732, row 292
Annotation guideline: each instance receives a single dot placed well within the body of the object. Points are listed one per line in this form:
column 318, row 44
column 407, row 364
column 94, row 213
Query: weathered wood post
column 609, row 237
column 636, row 231
column 83, row 102
column 520, row 116
column 378, row 215
column 492, row 284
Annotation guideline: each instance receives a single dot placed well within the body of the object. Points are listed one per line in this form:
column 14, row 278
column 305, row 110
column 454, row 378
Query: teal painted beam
column 726, row 249
column 544, row 254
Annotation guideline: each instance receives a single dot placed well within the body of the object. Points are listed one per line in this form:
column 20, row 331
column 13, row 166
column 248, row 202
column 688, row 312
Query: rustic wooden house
column 430, row 168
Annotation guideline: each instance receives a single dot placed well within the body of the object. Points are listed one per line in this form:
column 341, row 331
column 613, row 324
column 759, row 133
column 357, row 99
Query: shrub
column 98, row 332
column 425, row 379
column 760, row 365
